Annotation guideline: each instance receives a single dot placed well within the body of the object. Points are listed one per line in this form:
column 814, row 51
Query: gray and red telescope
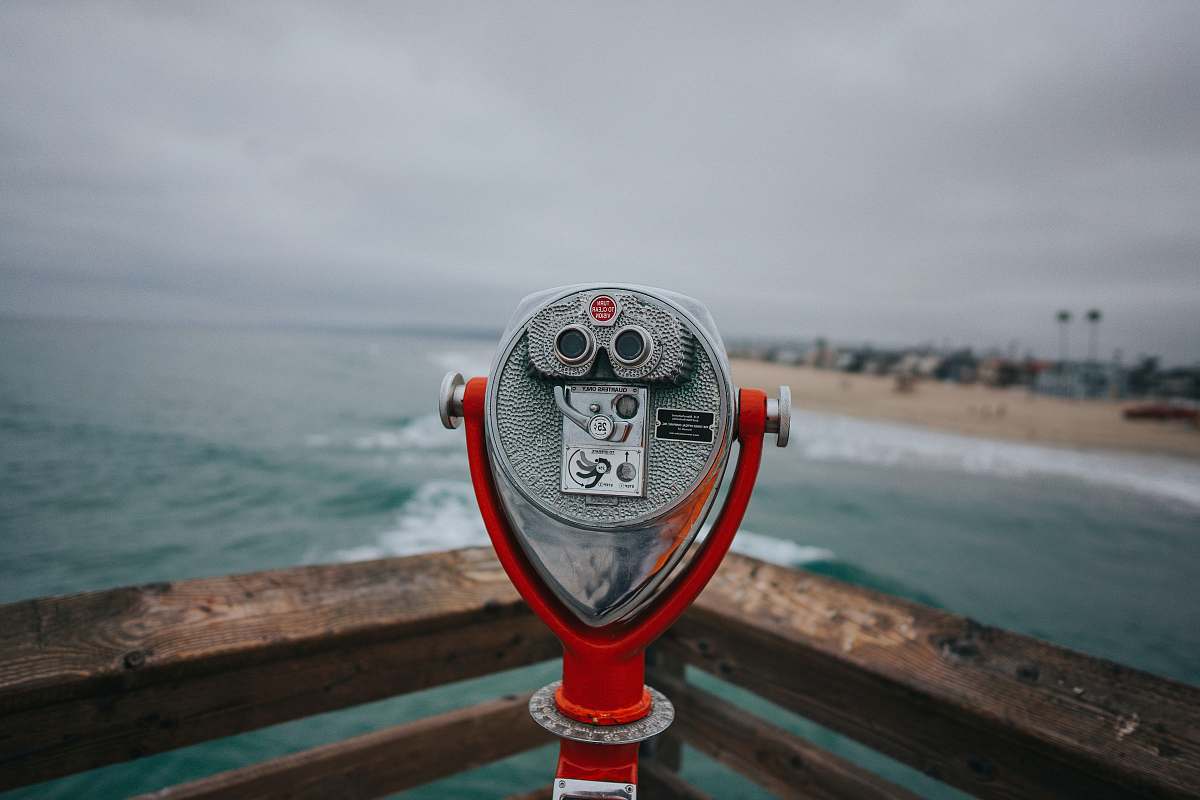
column 597, row 446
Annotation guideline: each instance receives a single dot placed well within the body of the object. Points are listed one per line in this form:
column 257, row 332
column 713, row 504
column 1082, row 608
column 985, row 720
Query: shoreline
column 1012, row 414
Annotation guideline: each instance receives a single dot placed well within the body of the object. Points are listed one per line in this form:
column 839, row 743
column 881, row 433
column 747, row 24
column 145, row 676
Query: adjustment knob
column 450, row 400
column 779, row 416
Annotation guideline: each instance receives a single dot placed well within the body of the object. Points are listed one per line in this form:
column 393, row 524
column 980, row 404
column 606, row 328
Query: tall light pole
column 1093, row 318
column 1064, row 319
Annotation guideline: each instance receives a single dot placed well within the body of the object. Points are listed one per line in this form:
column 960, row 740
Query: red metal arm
column 604, row 668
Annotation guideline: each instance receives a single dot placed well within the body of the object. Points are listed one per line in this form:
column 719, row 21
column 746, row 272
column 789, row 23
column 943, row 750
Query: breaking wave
column 831, row 438
column 417, row 435
column 421, row 433
column 778, row 551
column 441, row 515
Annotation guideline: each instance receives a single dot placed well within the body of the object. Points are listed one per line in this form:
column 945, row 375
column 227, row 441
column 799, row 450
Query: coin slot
column 626, row 406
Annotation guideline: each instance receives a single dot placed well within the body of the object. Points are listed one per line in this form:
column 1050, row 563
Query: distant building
column 822, row 355
column 1083, row 381
column 960, row 366
column 999, row 372
column 1179, row 382
column 881, row 363
column 788, row 355
column 928, row 365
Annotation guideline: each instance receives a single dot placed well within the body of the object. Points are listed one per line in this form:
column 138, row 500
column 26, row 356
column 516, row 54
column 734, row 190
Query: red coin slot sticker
column 604, row 308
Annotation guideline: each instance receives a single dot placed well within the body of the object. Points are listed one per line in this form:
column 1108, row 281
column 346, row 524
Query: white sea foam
column 423, row 433
column 415, row 436
column 778, row 551
column 442, row 515
column 831, row 438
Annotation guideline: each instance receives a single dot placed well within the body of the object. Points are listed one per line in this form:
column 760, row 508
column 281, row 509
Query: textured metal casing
column 606, row 557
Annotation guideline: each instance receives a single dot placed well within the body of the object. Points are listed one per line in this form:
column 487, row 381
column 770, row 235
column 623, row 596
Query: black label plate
column 682, row 425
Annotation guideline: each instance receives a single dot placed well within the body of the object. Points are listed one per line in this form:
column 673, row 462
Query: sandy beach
column 1013, row 414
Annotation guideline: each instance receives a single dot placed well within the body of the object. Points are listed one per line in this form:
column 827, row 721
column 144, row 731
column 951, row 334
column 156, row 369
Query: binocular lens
column 573, row 345
column 630, row 346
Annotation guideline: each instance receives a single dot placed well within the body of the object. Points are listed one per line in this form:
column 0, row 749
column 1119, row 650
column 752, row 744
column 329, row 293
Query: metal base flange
column 569, row 789
column 545, row 713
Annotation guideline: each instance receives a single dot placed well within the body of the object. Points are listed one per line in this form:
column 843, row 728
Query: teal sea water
column 137, row 452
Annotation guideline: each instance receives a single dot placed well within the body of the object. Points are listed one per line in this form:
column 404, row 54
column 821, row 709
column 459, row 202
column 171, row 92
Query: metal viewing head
column 609, row 420
column 597, row 444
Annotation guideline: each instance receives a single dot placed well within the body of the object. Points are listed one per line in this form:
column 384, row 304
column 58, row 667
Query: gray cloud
column 880, row 172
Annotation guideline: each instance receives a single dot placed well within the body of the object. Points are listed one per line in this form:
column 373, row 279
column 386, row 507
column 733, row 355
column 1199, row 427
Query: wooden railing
column 102, row 677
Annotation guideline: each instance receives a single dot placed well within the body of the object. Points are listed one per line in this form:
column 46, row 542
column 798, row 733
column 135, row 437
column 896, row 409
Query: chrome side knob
column 779, row 416
column 450, row 400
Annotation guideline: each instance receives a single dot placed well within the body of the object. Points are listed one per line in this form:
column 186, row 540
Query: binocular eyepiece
column 630, row 346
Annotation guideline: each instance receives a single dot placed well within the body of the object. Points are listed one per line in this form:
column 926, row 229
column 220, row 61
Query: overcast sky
column 879, row 172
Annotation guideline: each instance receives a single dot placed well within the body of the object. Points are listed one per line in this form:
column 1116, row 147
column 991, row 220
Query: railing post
column 664, row 667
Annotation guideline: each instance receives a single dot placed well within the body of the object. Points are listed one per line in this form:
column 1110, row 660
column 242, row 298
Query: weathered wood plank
column 995, row 713
column 786, row 765
column 70, row 646
column 377, row 764
column 92, row 679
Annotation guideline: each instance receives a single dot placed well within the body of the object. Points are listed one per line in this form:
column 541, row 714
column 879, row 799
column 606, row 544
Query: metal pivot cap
column 779, row 416
column 450, row 400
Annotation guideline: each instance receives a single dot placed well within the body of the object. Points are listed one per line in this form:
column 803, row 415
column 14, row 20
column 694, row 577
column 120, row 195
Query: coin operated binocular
column 597, row 445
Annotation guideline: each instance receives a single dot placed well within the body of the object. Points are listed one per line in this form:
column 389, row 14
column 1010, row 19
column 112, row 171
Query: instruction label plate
column 603, row 470
column 684, row 425
column 608, row 459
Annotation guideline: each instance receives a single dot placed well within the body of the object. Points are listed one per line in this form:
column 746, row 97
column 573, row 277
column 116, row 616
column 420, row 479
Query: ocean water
column 137, row 452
